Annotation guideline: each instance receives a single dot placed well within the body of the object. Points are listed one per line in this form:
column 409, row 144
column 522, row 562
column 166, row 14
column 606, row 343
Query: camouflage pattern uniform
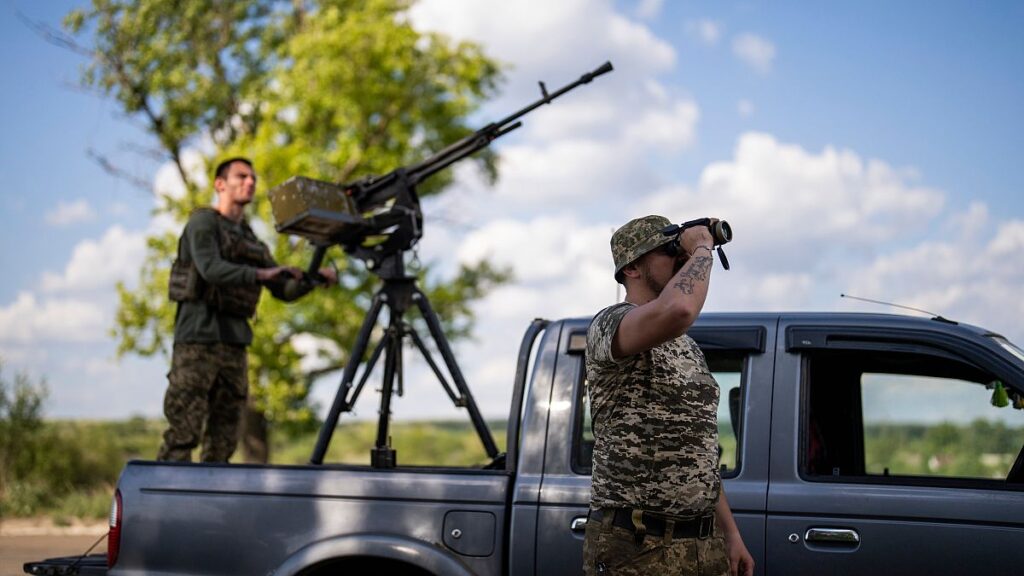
column 214, row 283
column 208, row 386
column 656, row 439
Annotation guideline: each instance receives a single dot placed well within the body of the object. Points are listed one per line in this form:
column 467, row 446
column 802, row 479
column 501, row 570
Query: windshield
column 1010, row 347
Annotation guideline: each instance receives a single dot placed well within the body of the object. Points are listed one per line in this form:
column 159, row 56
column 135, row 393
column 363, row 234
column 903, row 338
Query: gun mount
column 376, row 219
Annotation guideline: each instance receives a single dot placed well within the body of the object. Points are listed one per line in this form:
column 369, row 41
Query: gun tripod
column 398, row 293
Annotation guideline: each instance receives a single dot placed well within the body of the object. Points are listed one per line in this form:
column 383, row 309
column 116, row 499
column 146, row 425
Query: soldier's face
column 657, row 268
column 239, row 184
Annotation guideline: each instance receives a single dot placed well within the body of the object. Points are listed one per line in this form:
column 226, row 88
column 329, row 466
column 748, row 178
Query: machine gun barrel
column 472, row 143
column 388, row 205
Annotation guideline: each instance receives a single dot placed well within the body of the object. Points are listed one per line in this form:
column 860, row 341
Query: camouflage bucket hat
column 638, row 237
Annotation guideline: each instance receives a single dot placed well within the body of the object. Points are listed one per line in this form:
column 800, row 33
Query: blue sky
column 868, row 147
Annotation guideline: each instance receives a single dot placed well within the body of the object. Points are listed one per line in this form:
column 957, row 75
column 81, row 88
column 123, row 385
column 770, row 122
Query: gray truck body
column 528, row 517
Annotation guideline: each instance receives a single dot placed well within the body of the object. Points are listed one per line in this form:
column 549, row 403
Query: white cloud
column 21, row 355
column 94, row 265
column 799, row 199
column 551, row 177
column 598, row 33
column 1008, row 243
column 168, row 182
column 70, row 213
column 30, row 321
column 597, row 143
column 754, row 51
column 967, row 277
column 668, row 130
column 706, row 31
column 974, row 221
column 314, row 351
column 805, row 222
column 541, row 249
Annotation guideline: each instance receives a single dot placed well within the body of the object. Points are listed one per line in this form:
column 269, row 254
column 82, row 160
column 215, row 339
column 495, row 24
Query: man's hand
column 741, row 563
column 264, row 275
column 330, row 275
column 696, row 237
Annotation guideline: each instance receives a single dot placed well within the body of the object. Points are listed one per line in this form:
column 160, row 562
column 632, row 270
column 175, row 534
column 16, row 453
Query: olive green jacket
column 201, row 322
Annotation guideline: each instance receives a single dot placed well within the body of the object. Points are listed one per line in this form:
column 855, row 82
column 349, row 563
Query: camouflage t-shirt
column 655, row 419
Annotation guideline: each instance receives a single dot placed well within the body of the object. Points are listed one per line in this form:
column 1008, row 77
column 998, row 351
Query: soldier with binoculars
column 657, row 505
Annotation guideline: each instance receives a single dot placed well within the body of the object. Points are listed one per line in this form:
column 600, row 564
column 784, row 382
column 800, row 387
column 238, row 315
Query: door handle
column 579, row 524
column 832, row 536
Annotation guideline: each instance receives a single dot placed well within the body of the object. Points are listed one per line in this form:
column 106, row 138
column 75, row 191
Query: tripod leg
column 434, row 325
column 433, row 366
column 382, row 455
column 398, row 355
column 340, row 401
column 351, row 401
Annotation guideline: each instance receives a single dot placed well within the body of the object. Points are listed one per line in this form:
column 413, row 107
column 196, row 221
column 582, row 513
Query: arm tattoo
column 697, row 271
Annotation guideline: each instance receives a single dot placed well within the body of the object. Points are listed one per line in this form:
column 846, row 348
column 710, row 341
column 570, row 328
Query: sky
column 867, row 148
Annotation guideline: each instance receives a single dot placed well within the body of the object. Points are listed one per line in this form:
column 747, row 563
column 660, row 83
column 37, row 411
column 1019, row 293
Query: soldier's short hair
column 223, row 167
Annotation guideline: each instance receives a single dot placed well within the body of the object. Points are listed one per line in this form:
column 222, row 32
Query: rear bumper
column 92, row 565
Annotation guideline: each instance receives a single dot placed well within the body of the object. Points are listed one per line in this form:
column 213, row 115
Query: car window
column 728, row 369
column 902, row 417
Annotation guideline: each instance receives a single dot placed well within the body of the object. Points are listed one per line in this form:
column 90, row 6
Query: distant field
column 67, row 469
column 72, row 466
column 428, row 443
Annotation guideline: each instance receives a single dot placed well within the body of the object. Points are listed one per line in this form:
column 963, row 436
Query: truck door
column 736, row 355
column 888, row 455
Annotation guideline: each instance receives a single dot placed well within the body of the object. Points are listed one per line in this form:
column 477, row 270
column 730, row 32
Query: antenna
column 932, row 314
column 618, row 287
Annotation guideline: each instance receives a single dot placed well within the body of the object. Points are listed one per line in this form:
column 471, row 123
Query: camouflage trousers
column 206, row 391
column 612, row 551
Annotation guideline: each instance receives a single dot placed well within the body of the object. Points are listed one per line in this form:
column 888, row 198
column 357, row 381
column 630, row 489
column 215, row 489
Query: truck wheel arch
column 364, row 548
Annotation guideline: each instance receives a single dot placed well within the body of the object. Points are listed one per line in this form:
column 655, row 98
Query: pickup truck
column 851, row 444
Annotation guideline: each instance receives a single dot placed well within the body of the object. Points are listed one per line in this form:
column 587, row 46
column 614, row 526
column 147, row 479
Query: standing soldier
column 657, row 505
column 216, row 282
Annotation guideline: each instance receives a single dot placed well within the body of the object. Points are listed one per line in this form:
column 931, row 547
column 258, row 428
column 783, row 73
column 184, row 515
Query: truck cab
column 849, row 442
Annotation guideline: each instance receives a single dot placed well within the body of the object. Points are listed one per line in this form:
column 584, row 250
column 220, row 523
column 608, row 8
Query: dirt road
column 22, row 541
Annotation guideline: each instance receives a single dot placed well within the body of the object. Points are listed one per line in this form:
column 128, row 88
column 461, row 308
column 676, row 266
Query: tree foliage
column 329, row 89
column 67, row 469
column 21, row 405
column 186, row 66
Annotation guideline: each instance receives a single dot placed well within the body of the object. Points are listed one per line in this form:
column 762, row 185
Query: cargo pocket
column 618, row 554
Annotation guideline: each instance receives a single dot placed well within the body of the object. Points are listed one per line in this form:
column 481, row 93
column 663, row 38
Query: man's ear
column 218, row 184
column 631, row 270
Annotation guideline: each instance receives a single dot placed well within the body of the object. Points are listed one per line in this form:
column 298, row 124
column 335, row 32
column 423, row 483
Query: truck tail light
column 114, row 536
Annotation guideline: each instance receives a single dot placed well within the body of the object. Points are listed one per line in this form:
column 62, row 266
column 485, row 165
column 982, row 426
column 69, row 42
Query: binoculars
column 721, row 233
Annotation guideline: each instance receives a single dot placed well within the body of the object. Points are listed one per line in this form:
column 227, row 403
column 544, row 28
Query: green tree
column 21, row 404
column 330, row 89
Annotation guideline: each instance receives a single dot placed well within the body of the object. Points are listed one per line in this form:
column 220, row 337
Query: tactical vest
column 238, row 245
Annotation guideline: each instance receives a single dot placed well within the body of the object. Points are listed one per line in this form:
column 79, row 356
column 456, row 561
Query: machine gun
column 376, row 219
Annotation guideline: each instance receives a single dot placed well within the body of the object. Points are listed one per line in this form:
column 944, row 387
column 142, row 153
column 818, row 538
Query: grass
column 67, row 469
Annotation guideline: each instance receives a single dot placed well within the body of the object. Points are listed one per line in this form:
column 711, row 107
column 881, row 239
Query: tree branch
column 109, row 168
column 53, row 36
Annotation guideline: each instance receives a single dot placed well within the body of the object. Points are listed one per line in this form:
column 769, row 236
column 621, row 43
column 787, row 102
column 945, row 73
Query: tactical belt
column 647, row 523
